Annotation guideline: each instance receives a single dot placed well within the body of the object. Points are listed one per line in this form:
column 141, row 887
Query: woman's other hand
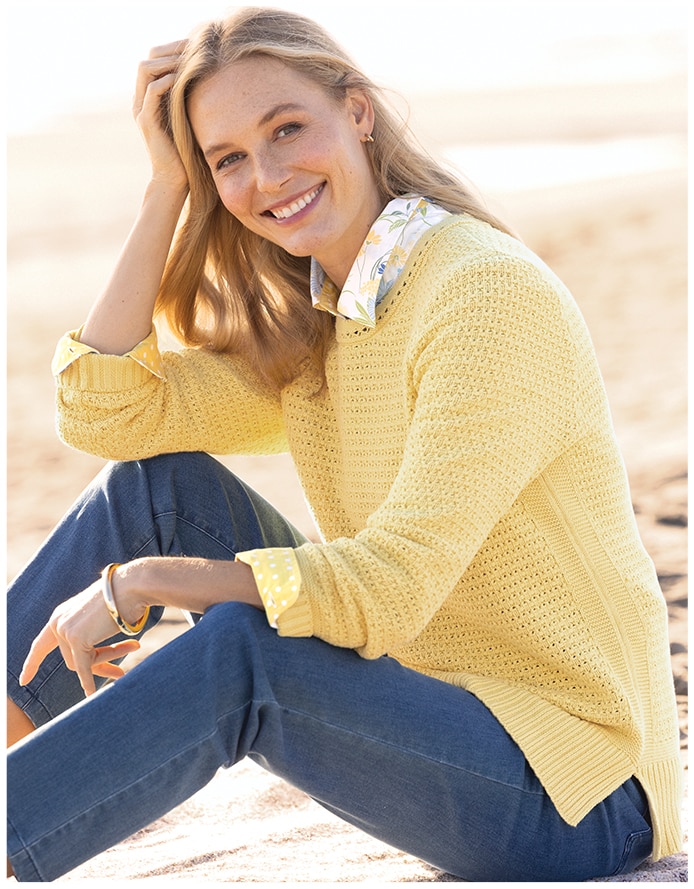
column 76, row 627
column 155, row 78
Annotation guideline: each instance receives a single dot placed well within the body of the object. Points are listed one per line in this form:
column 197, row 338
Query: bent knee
column 226, row 618
column 237, row 630
column 189, row 462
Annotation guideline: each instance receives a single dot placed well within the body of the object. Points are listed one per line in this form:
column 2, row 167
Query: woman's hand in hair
column 155, row 78
column 122, row 315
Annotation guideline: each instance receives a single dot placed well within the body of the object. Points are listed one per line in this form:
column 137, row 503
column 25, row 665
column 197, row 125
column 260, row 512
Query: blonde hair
column 226, row 288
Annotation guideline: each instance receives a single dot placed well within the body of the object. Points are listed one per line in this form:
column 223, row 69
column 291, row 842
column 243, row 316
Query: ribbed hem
column 578, row 763
column 663, row 782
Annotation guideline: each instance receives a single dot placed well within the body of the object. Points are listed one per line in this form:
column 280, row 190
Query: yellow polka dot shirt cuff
column 277, row 576
column 146, row 353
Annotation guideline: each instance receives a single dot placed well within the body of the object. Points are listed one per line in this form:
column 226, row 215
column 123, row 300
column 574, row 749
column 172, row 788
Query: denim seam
column 24, row 850
column 416, row 753
column 191, row 524
column 33, row 695
column 142, row 546
column 144, row 777
column 628, row 846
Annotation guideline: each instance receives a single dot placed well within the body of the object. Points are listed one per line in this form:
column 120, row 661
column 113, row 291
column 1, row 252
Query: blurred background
column 570, row 117
column 72, row 57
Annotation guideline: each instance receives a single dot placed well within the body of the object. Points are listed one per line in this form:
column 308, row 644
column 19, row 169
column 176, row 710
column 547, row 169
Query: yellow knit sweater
column 462, row 468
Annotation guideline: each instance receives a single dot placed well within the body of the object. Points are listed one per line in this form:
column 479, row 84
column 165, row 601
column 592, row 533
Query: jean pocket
column 637, row 848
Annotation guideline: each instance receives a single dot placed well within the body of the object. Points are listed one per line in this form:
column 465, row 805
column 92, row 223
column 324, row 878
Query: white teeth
column 293, row 208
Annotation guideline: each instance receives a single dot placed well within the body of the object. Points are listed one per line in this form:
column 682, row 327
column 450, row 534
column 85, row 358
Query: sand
column 621, row 247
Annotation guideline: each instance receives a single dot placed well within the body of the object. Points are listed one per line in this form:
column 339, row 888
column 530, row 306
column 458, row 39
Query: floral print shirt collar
column 381, row 259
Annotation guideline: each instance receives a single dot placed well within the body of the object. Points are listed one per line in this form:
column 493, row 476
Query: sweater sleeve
column 492, row 391
column 70, row 349
column 121, row 409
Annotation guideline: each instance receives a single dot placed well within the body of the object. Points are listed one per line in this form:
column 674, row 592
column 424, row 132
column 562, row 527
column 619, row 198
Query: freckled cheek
column 234, row 200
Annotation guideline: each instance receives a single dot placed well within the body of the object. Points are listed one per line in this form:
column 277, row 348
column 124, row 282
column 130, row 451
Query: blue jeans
column 414, row 761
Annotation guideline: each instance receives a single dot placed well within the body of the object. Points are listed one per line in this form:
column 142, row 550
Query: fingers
column 82, row 665
column 76, row 659
column 86, row 662
column 41, row 647
column 101, row 662
column 107, row 653
column 155, row 74
column 155, row 78
column 174, row 48
column 109, row 671
column 91, row 662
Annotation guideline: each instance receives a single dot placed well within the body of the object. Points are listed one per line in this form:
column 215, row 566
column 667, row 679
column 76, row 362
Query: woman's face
column 288, row 162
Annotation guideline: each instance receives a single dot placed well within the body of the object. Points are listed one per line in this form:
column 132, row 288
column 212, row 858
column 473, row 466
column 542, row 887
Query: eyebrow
column 265, row 119
column 278, row 109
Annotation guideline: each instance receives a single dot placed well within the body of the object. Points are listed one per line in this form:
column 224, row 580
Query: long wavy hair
column 229, row 290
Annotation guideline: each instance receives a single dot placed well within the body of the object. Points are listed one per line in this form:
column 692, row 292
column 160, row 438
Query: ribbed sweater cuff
column 296, row 621
column 103, row 373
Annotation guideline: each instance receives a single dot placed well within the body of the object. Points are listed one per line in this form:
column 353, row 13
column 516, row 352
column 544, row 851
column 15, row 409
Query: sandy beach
column 619, row 243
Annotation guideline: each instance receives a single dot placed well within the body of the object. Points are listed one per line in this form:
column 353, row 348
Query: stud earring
column 368, row 138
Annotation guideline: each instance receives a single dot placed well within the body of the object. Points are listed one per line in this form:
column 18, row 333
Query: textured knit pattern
column 462, row 468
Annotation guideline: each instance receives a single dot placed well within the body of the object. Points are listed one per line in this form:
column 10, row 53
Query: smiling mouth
column 293, row 208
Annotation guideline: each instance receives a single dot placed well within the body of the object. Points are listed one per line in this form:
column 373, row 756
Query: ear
column 361, row 111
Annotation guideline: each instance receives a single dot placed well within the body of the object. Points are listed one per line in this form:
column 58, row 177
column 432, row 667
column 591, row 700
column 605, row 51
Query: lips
column 296, row 206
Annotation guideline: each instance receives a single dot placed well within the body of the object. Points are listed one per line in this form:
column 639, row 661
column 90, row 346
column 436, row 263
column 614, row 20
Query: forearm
column 187, row 583
column 122, row 315
column 78, row 625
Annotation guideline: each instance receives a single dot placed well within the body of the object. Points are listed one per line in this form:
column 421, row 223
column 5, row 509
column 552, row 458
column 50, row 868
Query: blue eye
column 288, row 129
column 228, row 160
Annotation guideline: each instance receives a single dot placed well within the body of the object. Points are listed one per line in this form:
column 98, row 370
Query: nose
column 270, row 173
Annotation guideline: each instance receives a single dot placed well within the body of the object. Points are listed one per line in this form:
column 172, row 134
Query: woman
column 473, row 664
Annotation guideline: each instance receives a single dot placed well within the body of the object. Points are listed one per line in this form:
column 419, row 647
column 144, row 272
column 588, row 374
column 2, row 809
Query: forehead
column 251, row 87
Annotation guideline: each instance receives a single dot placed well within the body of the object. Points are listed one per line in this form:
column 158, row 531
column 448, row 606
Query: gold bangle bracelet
column 107, row 592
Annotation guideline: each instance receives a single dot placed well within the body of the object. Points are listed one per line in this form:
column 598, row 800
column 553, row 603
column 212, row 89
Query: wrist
column 172, row 191
column 130, row 590
column 187, row 583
